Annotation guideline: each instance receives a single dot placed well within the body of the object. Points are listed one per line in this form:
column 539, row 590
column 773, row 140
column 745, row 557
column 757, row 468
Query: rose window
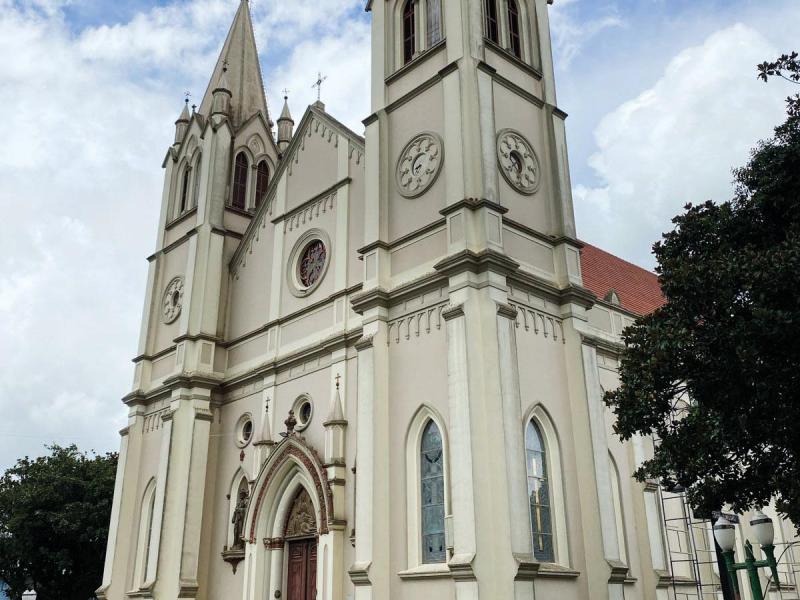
column 419, row 165
column 172, row 302
column 312, row 263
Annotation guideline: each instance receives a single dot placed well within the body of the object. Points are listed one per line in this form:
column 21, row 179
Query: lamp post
column 725, row 534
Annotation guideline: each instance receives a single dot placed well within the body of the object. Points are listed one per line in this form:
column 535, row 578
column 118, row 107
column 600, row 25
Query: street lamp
column 764, row 530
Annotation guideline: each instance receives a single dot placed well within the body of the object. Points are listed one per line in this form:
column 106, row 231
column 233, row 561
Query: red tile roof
column 638, row 289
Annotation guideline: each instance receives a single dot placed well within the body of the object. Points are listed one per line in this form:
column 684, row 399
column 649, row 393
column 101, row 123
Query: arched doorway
column 301, row 541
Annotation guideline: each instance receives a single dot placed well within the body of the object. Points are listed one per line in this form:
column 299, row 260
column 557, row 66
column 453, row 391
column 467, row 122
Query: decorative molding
column 538, row 322
column 421, row 321
column 453, row 312
column 359, row 574
column 419, row 164
column 233, row 557
column 473, row 204
column 309, row 212
column 274, row 543
column 518, row 162
column 477, row 262
column 461, row 567
column 172, row 301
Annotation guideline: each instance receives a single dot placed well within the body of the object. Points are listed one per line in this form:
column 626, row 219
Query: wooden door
column 301, row 583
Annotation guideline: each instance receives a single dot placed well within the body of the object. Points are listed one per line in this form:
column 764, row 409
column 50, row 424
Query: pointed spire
column 182, row 124
column 285, row 125
column 243, row 77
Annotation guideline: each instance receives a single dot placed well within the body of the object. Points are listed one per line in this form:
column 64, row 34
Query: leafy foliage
column 54, row 516
column 787, row 67
column 714, row 374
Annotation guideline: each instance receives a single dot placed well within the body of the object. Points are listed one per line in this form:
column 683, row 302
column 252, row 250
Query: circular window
column 419, row 164
column 312, row 263
column 244, row 430
column 172, row 302
column 308, row 263
column 518, row 162
column 303, row 412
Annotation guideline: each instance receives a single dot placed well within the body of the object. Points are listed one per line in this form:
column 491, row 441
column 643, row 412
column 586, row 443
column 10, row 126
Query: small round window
column 244, row 430
column 303, row 412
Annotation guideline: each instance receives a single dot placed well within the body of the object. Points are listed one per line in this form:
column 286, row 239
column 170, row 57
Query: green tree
column 787, row 66
column 714, row 374
column 54, row 516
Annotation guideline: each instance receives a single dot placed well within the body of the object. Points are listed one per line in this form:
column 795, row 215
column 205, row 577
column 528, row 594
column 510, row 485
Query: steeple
column 182, row 124
column 243, row 78
column 285, row 126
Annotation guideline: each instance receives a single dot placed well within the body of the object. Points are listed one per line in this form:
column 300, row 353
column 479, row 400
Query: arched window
column 185, row 189
column 432, row 485
column 434, row 24
column 262, row 182
column 619, row 517
column 145, row 544
column 241, row 167
column 492, row 26
column 515, row 37
column 539, row 494
column 196, row 174
column 409, row 30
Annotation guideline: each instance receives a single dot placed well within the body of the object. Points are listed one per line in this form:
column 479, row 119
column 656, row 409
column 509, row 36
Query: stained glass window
column 432, row 479
column 539, row 495
column 409, row 30
column 492, row 27
column 312, row 263
column 514, row 28
column 262, row 181
column 238, row 200
column 434, row 22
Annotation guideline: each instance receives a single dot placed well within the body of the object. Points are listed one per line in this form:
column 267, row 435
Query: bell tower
column 465, row 136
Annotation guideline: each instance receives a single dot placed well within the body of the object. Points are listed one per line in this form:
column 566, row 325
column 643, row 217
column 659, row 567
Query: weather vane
column 318, row 84
column 286, row 93
column 187, row 94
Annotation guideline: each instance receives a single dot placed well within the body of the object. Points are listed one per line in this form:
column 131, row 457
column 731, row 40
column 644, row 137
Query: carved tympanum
column 518, row 162
column 419, row 164
column 302, row 520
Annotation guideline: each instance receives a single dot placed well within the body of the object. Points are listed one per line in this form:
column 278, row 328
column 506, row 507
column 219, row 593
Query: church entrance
column 301, row 541
column 302, row 576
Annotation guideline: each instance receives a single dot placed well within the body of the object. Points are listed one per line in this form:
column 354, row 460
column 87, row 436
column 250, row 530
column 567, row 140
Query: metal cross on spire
column 187, row 94
column 286, row 93
column 318, row 84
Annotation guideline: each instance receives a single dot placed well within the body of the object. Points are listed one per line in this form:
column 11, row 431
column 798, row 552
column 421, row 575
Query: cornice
column 602, row 344
column 570, row 294
column 195, row 380
column 183, row 217
column 416, row 61
column 507, row 83
column 301, row 207
column 156, row 356
column 387, row 298
column 477, row 262
column 473, row 204
column 514, row 60
column 433, row 226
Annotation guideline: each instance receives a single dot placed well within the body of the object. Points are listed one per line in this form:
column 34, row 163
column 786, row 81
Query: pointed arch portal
column 295, row 541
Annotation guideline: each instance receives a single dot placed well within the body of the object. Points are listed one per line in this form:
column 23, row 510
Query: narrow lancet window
column 241, row 167
column 409, row 30
column 434, row 22
column 492, row 27
column 262, row 182
column 514, row 28
column 432, row 480
column 196, row 175
column 185, row 190
column 539, row 495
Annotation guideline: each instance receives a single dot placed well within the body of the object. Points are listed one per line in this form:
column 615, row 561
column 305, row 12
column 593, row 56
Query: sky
column 662, row 97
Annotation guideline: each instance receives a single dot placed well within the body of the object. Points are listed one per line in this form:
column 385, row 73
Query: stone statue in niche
column 239, row 514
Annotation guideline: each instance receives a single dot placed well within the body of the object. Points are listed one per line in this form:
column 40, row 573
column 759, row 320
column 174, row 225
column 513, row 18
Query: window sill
column 184, row 216
column 431, row 571
column 240, row 211
column 555, row 571
column 416, row 60
column 513, row 58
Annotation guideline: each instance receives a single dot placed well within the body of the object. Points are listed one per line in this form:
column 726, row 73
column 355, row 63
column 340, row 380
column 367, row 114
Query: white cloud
column 678, row 141
column 572, row 34
column 90, row 116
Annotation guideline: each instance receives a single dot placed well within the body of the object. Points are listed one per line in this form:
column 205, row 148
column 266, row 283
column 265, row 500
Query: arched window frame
column 257, row 190
column 434, row 31
column 514, row 18
column 236, row 184
column 619, row 509
column 491, row 21
column 423, row 19
column 409, row 30
column 185, row 188
column 414, row 437
column 553, row 462
column 144, row 539
column 197, row 171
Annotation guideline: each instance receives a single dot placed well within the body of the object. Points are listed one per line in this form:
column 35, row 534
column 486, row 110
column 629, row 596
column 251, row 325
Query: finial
column 318, row 84
column 187, row 94
column 338, row 379
column 285, row 94
column 225, row 66
column 194, row 108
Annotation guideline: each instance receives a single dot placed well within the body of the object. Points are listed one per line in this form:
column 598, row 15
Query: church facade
column 371, row 367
